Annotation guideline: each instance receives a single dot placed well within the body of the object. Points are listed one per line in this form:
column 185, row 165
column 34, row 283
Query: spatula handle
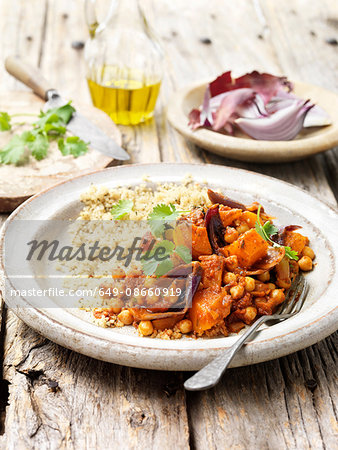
column 28, row 75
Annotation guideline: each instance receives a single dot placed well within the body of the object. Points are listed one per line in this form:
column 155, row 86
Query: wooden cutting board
column 17, row 183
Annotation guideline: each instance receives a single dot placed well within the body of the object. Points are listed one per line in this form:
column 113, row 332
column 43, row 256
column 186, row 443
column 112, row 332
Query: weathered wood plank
column 283, row 404
column 269, row 405
column 60, row 399
column 129, row 407
column 19, row 36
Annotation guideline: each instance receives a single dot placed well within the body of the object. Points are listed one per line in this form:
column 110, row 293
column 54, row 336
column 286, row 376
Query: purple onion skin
column 195, row 278
column 193, row 274
column 214, row 227
column 215, row 197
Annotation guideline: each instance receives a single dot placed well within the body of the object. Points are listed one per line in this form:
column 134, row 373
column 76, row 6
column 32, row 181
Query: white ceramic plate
column 289, row 204
column 309, row 142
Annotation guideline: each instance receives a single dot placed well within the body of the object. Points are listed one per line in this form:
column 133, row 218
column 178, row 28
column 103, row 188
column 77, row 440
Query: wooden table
column 60, row 399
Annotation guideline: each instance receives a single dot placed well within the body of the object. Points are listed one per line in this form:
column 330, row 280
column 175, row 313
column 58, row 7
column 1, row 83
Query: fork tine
column 301, row 299
column 294, row 295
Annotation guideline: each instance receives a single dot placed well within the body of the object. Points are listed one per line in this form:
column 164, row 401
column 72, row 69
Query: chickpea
column 307, row 251
column 229, row 277
column 237, row 292
column 271, row 286
column 118, row 273
column 231, row 263
column 264, row 277
column 305, row 263
column 231, row 234
column 249, row 284
column 185, row 326
column 277, row 295
column 250, row 314
column 243, row 227
column 145, row 327
column 126, row 317
column 149, row 282
column 105, row 290
column 152, row 299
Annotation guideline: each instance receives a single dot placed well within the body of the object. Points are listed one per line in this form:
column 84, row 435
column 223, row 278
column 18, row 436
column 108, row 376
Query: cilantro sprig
column 72, row 145
column 152, row 266
column 50, row 125
column 267, row 230
column 121, row 209
column 159, row 220
column 161, row 215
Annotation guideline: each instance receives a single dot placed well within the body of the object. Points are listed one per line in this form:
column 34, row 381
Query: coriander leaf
column 149, row 267
column 162, row 214
column 5, row 121
column 164, row 267
column 73, row 145
column 62, row 114
column 184, row 253
column 14, row 151
column 54, row 127
column 260, row 231
column 158, row 263
column 65, row 112
column 292, row 254
column 270, row 229
column 267, row 230
column 38, row 146
column 122, row 208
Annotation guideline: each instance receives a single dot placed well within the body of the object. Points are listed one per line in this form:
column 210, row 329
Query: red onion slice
column 284, row 125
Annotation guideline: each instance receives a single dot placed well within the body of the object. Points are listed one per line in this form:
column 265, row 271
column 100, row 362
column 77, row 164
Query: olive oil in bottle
column 126, row 101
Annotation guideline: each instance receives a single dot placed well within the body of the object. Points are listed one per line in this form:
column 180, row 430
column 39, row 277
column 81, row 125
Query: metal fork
column 210, row 375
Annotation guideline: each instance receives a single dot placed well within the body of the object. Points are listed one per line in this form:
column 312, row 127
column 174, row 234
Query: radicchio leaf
column 221, row 84
column 229, row 105
column 264, row 84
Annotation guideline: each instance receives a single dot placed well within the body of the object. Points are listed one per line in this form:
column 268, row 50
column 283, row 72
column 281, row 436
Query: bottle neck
column 128, row 14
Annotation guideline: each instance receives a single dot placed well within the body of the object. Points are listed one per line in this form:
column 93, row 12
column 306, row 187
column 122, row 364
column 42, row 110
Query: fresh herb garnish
column 14, row 151
column 122, row 208
column 38, row 144
column 50, row 125
column 184, row 253
column 158, row 220
column 267, row 230
column 151, row 266
column 73, row 145
column 160, row 216
column 5, row 121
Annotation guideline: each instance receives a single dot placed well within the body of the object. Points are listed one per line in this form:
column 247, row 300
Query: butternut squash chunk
column 200, row 242
column 249, row 248
column 212, row 266
column 296, row 241
column 227, row 217
column 209, row 308
column 249, row 218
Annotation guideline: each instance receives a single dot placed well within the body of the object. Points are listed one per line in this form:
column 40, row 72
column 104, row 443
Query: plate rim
column 45, row 317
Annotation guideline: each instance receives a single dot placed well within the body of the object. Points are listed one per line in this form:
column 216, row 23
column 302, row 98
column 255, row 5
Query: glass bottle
column 124, row 62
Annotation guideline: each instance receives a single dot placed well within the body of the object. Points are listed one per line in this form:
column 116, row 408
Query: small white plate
column 241, row 147
column 289, row 204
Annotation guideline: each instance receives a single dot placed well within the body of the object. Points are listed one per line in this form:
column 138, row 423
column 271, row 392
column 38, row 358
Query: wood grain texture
column 59, row 399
